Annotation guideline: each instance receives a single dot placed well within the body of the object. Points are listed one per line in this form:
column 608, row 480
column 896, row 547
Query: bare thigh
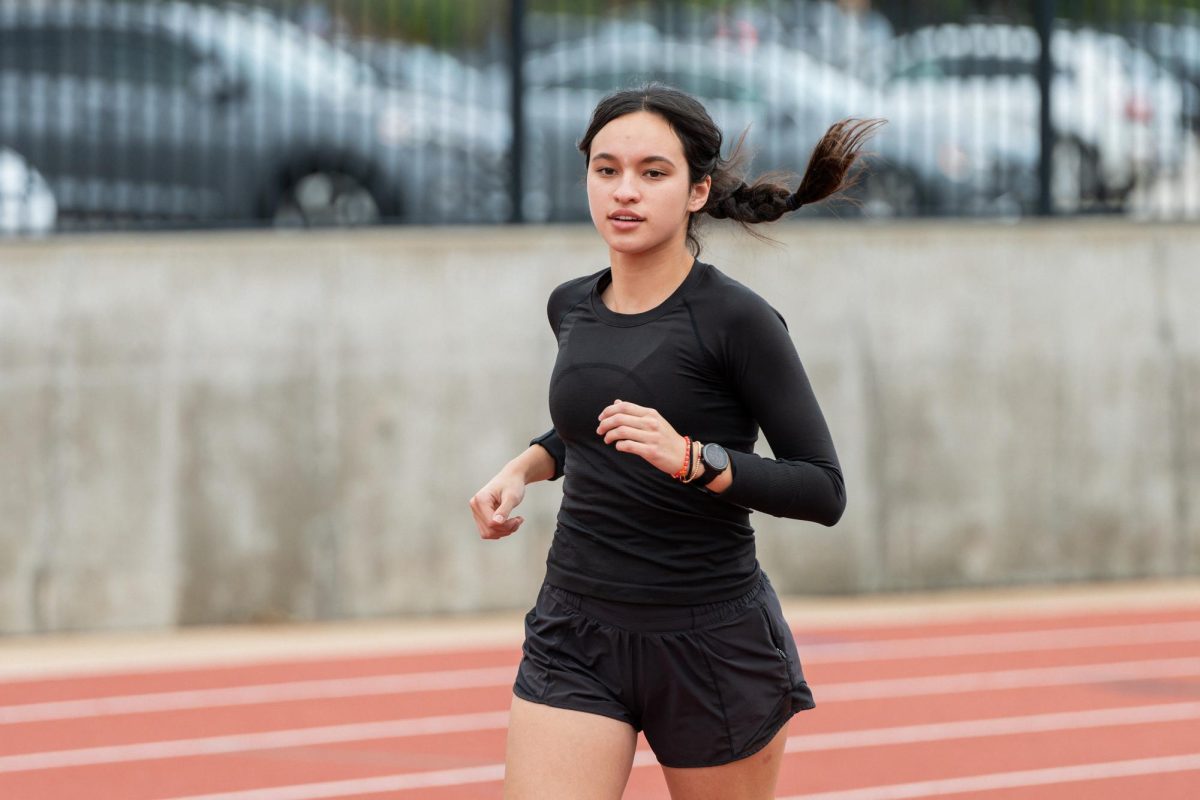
column 751, row 778
column 566, row 755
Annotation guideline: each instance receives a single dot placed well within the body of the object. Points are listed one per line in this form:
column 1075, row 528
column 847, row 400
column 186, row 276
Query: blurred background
column 138, row 115
column 273, row 275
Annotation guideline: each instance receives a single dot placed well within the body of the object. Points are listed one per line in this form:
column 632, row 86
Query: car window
column 114, row 55
column 32, row 50
column 921, row 69
column 137, row 57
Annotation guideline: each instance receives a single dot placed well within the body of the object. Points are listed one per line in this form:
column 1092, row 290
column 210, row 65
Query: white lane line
column 1030, row 678
column 381, row 685
column 242, row 743
column 1010, row 780
column 998, row 726
column 246, row 742
column 259, row 693
column 818, row 742
column 1010, row 641
column 499, row 676
column 383, row 783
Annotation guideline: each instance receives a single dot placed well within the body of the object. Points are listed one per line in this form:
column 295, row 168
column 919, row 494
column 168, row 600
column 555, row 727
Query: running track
column 1003, row 701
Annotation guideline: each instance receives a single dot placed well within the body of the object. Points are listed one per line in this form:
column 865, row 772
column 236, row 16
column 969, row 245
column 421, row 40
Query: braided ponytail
column 730, row 197
column 766, row 201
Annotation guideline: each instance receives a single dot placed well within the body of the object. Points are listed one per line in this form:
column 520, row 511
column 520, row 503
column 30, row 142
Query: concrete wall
column 230, row 427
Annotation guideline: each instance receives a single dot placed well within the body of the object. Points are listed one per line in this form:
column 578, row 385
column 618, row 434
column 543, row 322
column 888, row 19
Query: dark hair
column 730, row 197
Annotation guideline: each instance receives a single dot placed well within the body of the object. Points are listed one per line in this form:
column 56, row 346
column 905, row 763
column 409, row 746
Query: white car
column 1115, row 116
column 26, row 203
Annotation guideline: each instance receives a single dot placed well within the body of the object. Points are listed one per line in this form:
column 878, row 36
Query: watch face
column 715, row 457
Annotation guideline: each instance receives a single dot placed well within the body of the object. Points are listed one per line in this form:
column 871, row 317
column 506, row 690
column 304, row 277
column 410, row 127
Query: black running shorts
column 708, row 684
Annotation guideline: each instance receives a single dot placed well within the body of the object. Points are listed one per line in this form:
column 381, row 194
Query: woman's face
column 637, row 169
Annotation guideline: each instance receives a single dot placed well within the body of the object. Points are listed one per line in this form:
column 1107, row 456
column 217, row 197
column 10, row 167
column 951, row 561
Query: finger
column 634, row 448
column 485, row 528
column 625, row 407
column 504, row 509
column 483, row 505
column 507, row 527
column 618, row 406
column 626, row 432
column 618, row 419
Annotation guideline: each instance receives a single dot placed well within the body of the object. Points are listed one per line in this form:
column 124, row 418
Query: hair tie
column 793, row 202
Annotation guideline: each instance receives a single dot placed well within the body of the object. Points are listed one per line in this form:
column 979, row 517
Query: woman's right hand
column 492, row 504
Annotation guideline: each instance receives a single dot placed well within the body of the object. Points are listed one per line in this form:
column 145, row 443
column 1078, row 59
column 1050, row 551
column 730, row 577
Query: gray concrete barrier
column 259, row 426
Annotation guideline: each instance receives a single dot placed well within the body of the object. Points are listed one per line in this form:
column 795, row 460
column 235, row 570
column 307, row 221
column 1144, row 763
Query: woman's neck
column 643, row 281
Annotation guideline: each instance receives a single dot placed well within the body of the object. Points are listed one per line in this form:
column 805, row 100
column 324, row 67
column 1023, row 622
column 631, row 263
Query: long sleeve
column 804, row 480
column 717, row 362
column 559, row 302
column 555, row 447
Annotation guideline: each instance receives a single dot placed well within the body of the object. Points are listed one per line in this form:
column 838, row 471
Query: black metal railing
column 141, row 114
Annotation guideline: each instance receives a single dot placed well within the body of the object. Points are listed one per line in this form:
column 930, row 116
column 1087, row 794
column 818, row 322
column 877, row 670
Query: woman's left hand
column 643, row 432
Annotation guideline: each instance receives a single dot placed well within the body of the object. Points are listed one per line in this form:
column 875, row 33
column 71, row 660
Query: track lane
column 981, row 745
column 381, row 671
column 833, row 646
column 964, row 654
column 913, row 701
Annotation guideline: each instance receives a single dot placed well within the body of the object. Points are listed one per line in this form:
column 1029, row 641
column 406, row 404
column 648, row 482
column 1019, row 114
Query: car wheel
column 326, row 199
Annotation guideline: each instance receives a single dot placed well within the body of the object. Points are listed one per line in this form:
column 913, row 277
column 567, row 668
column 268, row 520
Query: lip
column 626, row 224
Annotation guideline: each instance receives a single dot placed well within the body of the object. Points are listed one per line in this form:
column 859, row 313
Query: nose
column 625, row 191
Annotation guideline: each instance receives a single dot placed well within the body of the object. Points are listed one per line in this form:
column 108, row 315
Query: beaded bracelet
column 691, row 462
column 687, row 458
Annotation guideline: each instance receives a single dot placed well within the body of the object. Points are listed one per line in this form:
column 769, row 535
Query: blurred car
column 26, row 203
column 1176, row 48
column 196, row 114
column 1115, row 122
column 419, row 67
column 788, row 100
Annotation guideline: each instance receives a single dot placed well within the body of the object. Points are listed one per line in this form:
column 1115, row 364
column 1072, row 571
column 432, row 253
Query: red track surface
column 1026, row 706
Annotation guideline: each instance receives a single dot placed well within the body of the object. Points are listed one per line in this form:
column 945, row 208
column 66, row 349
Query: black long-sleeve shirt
column 717, row 362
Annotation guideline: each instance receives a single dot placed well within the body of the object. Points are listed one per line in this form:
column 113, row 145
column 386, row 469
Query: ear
column 699, row 194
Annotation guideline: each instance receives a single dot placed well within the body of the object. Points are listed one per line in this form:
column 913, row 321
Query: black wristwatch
column 715, row 461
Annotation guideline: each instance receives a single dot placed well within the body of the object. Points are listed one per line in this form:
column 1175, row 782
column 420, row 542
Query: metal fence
column 181, row 114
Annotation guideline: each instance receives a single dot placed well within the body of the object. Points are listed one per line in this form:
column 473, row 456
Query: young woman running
column 655, row 615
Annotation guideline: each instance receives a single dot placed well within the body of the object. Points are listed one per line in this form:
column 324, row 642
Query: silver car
column 195, row 114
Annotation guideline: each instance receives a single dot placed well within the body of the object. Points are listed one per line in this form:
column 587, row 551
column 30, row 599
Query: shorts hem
column 766, row 741
column 544, row 702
